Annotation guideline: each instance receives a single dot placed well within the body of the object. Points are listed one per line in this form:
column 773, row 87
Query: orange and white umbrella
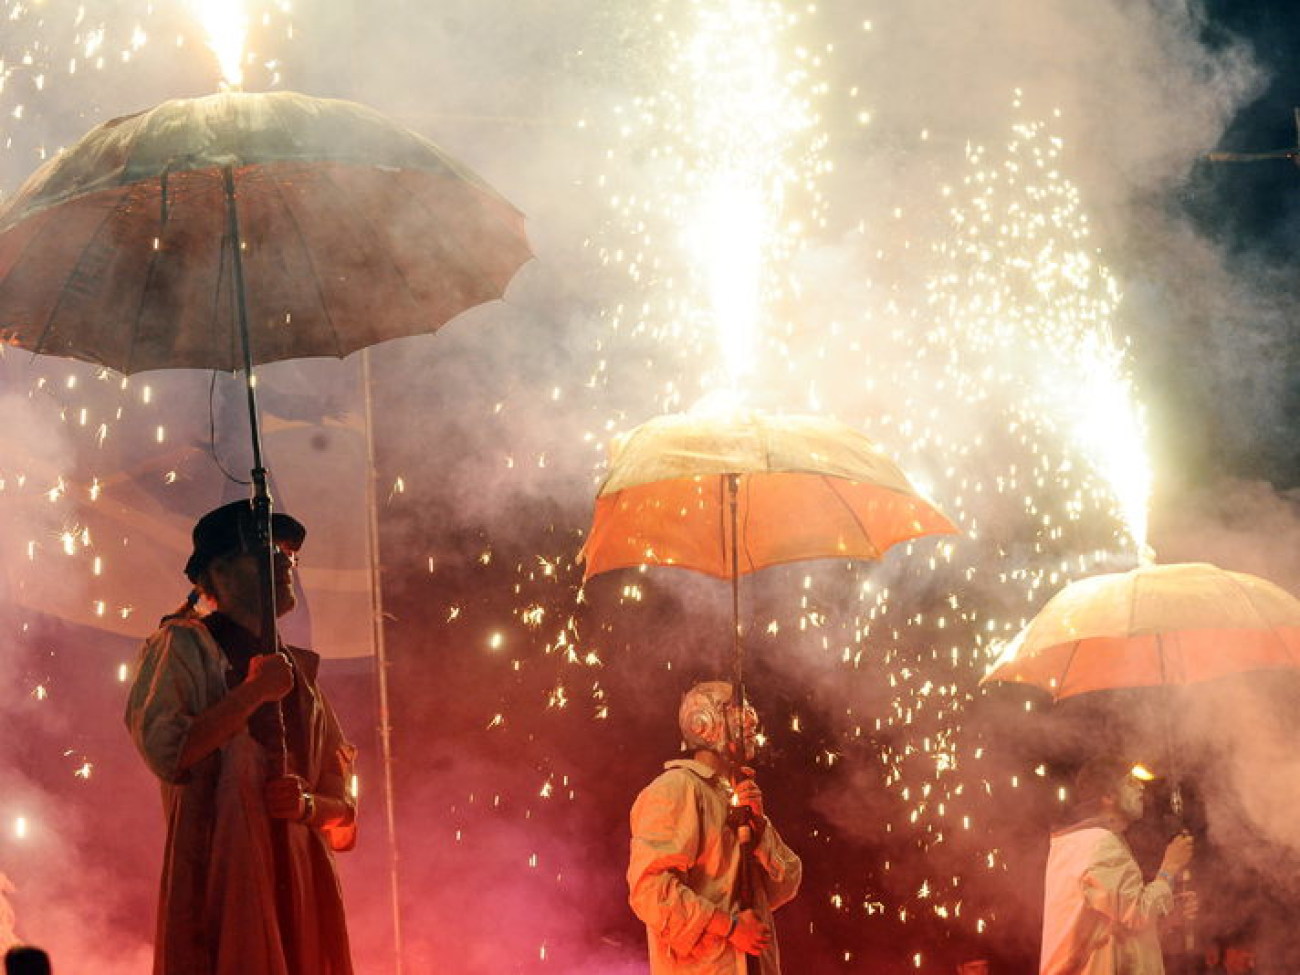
column 1151, row 626
column 729, row 494
column 803, row 487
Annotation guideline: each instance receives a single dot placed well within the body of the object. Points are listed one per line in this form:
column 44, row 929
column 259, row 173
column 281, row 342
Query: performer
column 1099, row 917
column 707, row 867
column 241, row 894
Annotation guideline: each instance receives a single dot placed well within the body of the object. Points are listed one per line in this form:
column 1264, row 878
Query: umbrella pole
column 381, row 667
column 270, row 639
column 1171, row 753
column 1176, row 803
column 745, row 829
column 261, row 496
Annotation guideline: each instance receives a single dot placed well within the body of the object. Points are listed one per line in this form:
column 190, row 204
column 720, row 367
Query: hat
column 229, row 529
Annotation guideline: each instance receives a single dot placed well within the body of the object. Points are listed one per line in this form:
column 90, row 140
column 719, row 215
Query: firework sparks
column 226, row 25
column 708, row 246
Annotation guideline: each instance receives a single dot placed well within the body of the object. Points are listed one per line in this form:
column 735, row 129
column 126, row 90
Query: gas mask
column 709, row 719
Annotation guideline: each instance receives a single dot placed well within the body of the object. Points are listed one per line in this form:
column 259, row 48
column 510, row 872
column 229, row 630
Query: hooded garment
column 683, row 869
column 217, row 912
column 1099, row 918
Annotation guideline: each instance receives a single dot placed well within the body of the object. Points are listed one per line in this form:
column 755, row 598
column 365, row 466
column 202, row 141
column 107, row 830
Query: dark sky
column 1252, row 209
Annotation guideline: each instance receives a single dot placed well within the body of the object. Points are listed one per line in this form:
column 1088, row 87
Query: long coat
column 684, row 866
column 1099, row 917
column 217, row 912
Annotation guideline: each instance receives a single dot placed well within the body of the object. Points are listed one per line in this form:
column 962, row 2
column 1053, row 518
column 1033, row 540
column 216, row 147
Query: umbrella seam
column 830, row 484
column 154, row 255
column 1065, row 671
column 742, row 539
column 49, row 319
column 307, row 255
column 455, row 256
column 1268, row 626
column 1250, row 603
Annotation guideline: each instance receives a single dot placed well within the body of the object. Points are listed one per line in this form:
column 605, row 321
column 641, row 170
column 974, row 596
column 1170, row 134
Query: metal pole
column 261, row 496
column 269, row 635
column 381, row 663
column 1176, row 803
column 737, row 663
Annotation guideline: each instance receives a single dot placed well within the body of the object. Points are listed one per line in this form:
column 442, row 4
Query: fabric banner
column 101, row 480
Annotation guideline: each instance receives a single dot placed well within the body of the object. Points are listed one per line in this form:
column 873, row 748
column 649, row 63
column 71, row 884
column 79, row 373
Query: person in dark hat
column 254, row 769
column 27, row 960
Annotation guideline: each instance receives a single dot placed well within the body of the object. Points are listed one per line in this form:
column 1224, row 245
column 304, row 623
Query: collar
column 1092, row 822
column 240, row 644
column 706, row 772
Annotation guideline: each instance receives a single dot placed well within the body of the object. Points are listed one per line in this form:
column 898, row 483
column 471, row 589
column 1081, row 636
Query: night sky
column 1249, row 209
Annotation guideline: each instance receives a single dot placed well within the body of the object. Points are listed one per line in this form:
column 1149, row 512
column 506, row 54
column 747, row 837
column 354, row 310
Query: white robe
column 1099, row 918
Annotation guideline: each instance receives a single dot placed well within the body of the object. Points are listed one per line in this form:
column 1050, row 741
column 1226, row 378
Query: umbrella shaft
column 738, row 676
column 261, row 495
column 241, row 312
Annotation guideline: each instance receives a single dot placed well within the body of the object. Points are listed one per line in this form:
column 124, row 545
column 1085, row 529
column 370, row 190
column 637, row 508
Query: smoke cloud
column 529, row 708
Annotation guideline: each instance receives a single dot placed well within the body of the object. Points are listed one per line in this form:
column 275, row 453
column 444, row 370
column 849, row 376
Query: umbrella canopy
column 804, row 487
column 1154, row 625
column 353, row 230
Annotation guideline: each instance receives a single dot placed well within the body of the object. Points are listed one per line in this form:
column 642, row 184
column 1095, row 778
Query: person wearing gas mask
column 249, row 885
column 707, row 867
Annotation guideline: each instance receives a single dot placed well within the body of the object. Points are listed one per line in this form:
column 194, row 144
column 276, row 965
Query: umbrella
column 242, row 228
column 1155, row 626
column 347, row 230
column 730, row 494
column 1151, row 626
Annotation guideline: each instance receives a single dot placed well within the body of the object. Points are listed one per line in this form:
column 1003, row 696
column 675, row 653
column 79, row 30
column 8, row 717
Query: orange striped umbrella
column 1151, row 626
column 804, row 487
column 730, row 494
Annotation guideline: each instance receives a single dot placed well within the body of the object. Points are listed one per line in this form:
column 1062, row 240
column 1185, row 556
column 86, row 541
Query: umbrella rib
column 154, row 255
column 364, row 217
column 1245, row 598
column 315, row 274
column 1065, row 671
column 463, row 264
column 742, row 537
column 834, row 489
column 39, row 347
column 1266, row 624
